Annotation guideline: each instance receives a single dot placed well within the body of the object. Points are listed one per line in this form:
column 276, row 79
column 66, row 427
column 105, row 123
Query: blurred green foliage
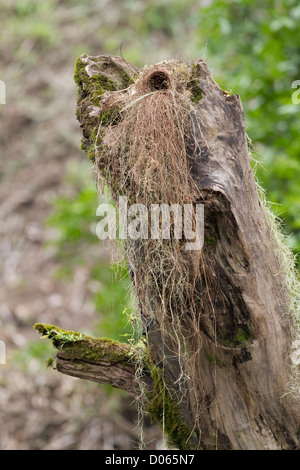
column 73, row 218
column 35, row 350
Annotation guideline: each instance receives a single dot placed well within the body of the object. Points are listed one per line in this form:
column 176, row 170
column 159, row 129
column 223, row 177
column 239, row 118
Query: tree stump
column 219, row 322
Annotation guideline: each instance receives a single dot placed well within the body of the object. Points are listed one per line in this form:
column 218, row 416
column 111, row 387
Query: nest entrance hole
column 159, row 81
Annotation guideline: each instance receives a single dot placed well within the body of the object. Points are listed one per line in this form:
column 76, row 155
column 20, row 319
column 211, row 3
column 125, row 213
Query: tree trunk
column 223, row 341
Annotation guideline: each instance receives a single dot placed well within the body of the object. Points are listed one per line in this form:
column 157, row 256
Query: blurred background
column 53, row 268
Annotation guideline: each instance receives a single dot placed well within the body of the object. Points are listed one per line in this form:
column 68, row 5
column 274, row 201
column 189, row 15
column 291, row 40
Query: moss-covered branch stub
column 99, row 360
column 161, row 404
column 81, row 347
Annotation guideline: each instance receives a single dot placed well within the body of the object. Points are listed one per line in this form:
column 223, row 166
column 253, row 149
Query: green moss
column 93, row 87
column 96, row 85
column 211, row 240
column 79, row 66
column 93, row 141
column 90, row 91
column 196, row 92
column 105, row 82
column 50, row 362
column 109, row 117
column 57, row 334
column 80, row 347
column 163, row 405
column 99, row 84
column 127, row 79
column 164, row 408
column 241, row 337
column 215, row 359
column 228, row 341
column 193, row 84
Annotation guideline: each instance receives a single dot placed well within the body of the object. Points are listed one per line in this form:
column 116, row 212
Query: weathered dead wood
column 241, row 398
column 103, row 371
column 95, row 359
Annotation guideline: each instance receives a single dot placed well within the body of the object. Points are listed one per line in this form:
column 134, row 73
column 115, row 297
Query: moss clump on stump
column 164, row 408
column 93, row 81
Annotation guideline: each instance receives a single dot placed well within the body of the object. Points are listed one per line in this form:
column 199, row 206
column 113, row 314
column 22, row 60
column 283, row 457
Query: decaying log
column 238, row 396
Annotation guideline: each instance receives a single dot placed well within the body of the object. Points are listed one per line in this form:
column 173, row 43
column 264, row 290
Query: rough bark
column 244, row 360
